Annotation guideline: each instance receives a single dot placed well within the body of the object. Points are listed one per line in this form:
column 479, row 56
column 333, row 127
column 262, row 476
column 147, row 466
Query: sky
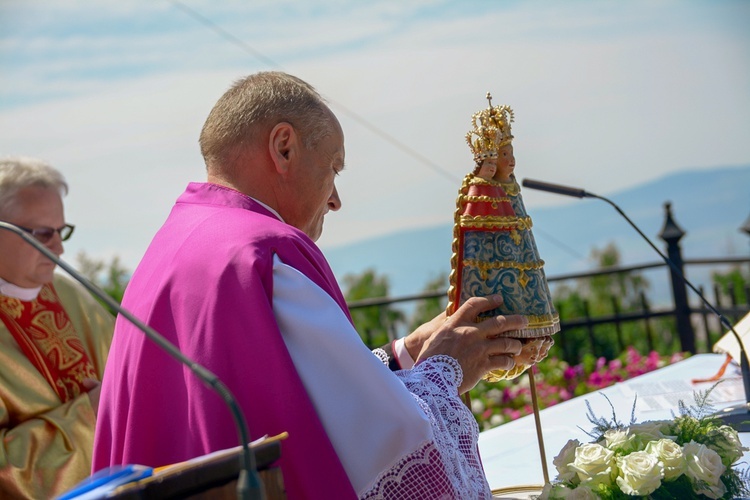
column 607, row 95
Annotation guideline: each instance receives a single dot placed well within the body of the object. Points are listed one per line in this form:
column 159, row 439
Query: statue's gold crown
column 490, row 131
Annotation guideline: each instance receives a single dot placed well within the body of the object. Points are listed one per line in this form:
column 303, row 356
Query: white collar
column 17, row 292
column 268, row 208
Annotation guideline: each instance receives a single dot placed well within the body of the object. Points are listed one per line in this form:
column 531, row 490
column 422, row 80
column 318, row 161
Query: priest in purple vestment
column 235, row 280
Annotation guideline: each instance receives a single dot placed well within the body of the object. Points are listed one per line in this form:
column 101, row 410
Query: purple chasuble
column 206, row 284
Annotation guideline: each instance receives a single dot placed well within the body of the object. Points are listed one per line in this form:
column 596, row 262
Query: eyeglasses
column 45, row 234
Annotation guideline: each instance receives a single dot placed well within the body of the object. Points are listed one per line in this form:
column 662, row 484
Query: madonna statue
column 494, row 252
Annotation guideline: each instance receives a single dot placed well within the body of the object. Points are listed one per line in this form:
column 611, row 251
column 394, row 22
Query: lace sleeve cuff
column 381, row 355
column 442, row 370
column 448, row 465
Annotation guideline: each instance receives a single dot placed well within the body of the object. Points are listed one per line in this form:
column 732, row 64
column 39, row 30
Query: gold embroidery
column 488, row 222
column 515, row 237
column 484, row 199
column 486, row 266
column 480, row 181
column 11, row 306
column 48, row 339
column 46, row 294
column 535, row 322
column 57, row 339
column 82, row 372
column 511, row 188
column 523, row 278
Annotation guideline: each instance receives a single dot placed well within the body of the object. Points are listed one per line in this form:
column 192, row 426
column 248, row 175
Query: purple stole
column 206, row 284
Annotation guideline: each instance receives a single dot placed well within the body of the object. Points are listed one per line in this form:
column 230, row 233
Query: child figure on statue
column 494, row 251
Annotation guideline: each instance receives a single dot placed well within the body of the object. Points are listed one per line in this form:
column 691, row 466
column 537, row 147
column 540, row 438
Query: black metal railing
column 603, row 334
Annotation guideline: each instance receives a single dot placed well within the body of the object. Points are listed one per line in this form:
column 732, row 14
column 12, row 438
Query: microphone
column 248, row 483
column 736, row 416
column 557, row 189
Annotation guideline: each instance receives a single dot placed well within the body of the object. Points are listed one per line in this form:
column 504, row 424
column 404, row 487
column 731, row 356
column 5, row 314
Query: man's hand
column 416, row 339
column 476, row 346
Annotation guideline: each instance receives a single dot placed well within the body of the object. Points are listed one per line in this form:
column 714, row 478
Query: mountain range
column 710, row 205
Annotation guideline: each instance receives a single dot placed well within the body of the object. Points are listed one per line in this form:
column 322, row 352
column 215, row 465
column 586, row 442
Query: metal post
column 671, row 233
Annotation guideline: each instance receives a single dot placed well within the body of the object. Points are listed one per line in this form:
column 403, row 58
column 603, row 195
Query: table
column 510, row 453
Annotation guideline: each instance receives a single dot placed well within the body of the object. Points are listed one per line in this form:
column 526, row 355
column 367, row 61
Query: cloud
column 606, row 96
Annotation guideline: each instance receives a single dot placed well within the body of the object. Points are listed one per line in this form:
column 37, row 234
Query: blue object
column 106, row 480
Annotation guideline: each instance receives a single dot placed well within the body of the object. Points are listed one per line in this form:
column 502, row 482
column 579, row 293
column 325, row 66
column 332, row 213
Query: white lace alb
column 448, row 467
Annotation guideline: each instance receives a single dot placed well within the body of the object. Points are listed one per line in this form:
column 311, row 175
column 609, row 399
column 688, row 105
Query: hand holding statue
column 478, row 347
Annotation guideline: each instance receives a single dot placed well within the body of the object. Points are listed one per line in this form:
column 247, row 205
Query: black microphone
column 248, row 483
column 736, row 416
column 557, row 189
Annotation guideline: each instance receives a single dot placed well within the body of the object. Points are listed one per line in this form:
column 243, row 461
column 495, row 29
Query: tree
column 111, row 277
column 605, row 295
column 377, row 325
column 627, row 286
column 733, row 284
column 427, row 309
column 733, row 287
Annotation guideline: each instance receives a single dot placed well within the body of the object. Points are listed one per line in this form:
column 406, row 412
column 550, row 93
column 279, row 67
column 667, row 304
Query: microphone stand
column 248, row 483
column 737, row 416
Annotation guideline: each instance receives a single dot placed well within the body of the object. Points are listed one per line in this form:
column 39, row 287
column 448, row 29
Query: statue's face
column 506, row 163
column 488, row 168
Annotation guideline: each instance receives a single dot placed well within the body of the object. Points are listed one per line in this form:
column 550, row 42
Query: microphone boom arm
column 745, row 367
column 580, row 193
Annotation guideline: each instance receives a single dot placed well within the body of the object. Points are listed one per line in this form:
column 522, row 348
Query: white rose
column 554, row 491
column 728, row 444
column 544, row 495
column 582, row 493
column 615, row 438
column 496, row 419
column 639, row 473
column 704, row 466
column 495, row 395
column 560, row 491
column 563, row 460
column 670, row 454
column 594, row 464
column 652, row 430
column 477, row 406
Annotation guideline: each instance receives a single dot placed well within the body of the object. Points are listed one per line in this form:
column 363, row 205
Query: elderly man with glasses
column 54, row 340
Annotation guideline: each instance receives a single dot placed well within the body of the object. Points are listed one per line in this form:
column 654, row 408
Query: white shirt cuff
column 402, row 354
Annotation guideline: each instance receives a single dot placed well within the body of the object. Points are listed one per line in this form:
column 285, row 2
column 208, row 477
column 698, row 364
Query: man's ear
column 283, row 144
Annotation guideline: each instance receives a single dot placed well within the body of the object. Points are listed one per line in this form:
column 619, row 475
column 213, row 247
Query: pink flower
column 633, row 370
column 507, row 395
column 572, row 372
column 512, row 414
column 595, row 379
column 632, row 356
column 601, row 363
column 562, row 382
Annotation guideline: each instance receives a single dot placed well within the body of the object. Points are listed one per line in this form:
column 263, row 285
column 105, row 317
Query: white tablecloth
column 510, row 453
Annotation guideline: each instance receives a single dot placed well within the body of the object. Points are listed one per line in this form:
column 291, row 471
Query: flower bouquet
column 691, row 456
